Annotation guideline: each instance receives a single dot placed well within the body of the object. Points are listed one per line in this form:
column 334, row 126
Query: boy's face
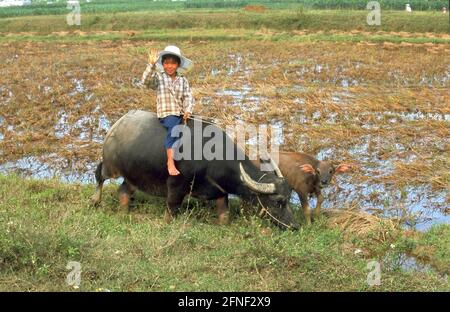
column 170, row 66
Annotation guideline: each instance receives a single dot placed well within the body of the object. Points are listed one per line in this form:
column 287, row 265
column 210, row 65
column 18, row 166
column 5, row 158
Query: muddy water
column 408, row 263
column 420, row 205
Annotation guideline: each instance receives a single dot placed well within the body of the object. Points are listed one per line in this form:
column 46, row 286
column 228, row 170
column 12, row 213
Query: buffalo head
column 273, row 196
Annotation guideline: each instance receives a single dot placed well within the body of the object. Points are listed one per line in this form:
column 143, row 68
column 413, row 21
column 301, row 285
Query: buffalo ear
column 342, row 168
column 307, row 168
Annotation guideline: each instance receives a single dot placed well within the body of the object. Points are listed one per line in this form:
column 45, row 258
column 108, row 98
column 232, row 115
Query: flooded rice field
column 383, row 109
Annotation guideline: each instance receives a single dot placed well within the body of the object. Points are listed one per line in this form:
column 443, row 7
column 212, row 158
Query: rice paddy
column 376, row 100
column 382, row 107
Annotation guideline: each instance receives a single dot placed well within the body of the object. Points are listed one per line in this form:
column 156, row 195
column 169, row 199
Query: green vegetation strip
column 40, row 7
column 277, row 20
column 217, row 35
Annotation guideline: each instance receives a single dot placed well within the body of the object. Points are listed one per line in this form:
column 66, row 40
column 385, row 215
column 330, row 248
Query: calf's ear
column 307, row 168
column 342, row 168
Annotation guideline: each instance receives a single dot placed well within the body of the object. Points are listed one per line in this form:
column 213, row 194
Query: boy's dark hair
column 176, row 58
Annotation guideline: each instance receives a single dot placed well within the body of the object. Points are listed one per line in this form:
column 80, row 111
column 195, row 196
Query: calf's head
column 324, row 171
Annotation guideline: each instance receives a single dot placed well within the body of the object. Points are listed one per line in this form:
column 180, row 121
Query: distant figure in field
column 408, row 8
column 444, row 10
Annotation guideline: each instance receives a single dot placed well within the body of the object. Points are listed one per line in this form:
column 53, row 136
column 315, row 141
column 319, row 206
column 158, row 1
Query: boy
column 174, row 100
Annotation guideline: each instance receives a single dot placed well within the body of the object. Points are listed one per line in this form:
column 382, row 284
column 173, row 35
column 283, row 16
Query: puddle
column 90, row 128
column 46, row 90
column 302, row 71
column 237, row 67
column 407, row 263
column 418, row 205
column 345, row 83
column 323, row 73
column 62, row 127
column 275, row 130
column 368, row 120
column 430, row 81
column 51, row 166
column 242, row 98
column 5, row 94
column 339, row 75
column 317, row 118
column 325, row 153
column 2, row 121
column 442, row 81
column 215, row 72
column 299, row 101
column 318, row 68
column 78, row 86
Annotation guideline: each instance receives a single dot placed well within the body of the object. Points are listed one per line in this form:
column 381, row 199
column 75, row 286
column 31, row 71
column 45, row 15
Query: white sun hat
column 185, row 64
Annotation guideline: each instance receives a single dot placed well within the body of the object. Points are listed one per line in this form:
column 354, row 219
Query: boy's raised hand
column 152, row 56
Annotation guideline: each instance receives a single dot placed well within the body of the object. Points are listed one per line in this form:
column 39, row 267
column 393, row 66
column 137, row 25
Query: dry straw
column 353, row 221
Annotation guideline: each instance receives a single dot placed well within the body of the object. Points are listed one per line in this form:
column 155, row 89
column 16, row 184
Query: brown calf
column 307, row 175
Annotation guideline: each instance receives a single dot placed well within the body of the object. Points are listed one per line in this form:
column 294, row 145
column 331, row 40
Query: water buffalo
column 133, row 149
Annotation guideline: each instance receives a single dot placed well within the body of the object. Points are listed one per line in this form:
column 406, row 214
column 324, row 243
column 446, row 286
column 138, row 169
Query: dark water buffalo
column 134, row 150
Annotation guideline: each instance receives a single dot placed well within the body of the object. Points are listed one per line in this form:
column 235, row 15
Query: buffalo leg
column 131, row 190
column 176, row 190
column 305, row 205
column 124, row 196
column 100, row 177
column 222, row 210
column 319, row 204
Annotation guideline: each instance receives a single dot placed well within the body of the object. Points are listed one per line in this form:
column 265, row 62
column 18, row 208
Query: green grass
column 278, row 20
column 46, row 224
column 218, row 35
column 434, row 246
column 114, row 6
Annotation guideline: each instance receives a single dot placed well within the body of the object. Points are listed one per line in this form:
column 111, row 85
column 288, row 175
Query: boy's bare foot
column 173, row 171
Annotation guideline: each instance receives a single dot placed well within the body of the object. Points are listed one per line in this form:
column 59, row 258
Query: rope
column 190, row 192
column 265, row 210
column 194, row 117
column 215, row 184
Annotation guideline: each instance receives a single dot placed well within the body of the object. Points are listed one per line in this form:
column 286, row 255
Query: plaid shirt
column 174, row 97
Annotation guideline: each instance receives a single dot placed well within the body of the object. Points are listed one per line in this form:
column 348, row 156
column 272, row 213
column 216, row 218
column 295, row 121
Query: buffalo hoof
column 95, row 200
column 224, row 219
column 168, row 217
column 124, row 200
